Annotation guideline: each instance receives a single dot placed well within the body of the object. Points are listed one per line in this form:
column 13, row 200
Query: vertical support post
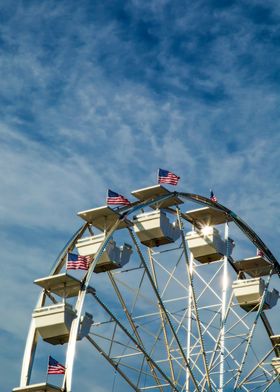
column 30, row 347
column 33, row 335
column 71, row 349
column 189, row 321
column 198, row 322
column 162, row 317
column 223, row 310
column 251, row 332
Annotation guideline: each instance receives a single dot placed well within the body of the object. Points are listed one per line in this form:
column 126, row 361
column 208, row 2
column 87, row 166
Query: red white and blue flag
column 78, row 262
column 115, row 198
column 167, row 177
column 55, row 367
column 213, row 197
column 260, row 253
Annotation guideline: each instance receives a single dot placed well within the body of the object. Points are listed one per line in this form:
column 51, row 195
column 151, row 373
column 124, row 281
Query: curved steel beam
column 125, row 211
column 32, row 337
column 246, row 229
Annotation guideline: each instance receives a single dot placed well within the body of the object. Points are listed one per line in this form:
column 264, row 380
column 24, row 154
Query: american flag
column 260, row 253
column 55, row 367
column 116, row 199
column 213, row 196
column 78, row 262
column 167, row 177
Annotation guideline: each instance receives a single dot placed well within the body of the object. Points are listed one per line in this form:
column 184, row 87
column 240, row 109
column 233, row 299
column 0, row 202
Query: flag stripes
column 114, row 198
column 167, row 177
column 213, row 197
column 54, row 367
column 78, row 262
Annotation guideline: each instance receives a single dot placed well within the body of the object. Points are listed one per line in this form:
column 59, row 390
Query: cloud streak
column 95, row 97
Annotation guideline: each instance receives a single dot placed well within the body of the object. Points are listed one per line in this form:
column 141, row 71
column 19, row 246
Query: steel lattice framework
column 165, row 321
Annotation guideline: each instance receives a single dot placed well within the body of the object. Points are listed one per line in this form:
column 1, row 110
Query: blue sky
column 100, row 94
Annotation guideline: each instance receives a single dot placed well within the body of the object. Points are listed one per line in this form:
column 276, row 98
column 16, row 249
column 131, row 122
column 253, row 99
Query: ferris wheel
column 162, row 299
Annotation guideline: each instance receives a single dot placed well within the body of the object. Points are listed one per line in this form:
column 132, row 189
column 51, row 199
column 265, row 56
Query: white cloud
column 87, row 104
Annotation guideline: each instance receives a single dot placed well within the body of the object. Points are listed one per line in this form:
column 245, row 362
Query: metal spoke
column 175, row 327
column 163, row 308
column 148, row 358
column 194, row 301
column 132, row 324
column 250, row 335
column 113, row 363
column 163, row 321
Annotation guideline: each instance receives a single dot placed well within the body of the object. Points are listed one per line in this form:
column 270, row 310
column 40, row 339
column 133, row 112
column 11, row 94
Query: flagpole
column 67, row 257
column 64, row 380
column 158, row 176
column 47, row 370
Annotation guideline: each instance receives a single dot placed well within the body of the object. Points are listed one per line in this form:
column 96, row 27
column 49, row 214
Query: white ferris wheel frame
column 185, row 349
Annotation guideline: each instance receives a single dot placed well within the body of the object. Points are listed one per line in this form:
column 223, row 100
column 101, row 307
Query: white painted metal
column 112, row 257
column 208, row 216
column 249, row 293
column 163, row 321
column 223, row 310
column 189, row 322
column 54, row 321
column 251, row 332
column 103, row 218
column 196, row 313
column 33, row 335
column 207, row 246
column 30, row 348
column 71, row 349
column 276, row 364
column 154, row 228
column 182, row 354
column 155, row 191
column 63, row 285
column 41, row 387
column 90, row 245
column 256, row 266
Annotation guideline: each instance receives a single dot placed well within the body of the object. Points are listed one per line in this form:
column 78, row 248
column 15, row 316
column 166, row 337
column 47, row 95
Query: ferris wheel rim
column 126, row 211
column 244, row 227
column 249, row 232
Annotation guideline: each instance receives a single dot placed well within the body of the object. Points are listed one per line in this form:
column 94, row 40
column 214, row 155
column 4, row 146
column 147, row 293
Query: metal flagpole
column 47, row 370
column 223, row 311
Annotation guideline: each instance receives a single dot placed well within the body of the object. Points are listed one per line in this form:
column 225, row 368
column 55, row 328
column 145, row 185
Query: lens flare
column 206, row 230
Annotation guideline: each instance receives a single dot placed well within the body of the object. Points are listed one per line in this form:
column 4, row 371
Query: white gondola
column 275, row 362
column 112, row 257
column 207, row 245
column 249, row 293
column 90, row 245
column 63, row 285
column 103, row 218
column 134, row 331
column 154, row 229
column 54, row 323
column 207, row 216
column 153, row 192
column 255, row 266
column 42, row 387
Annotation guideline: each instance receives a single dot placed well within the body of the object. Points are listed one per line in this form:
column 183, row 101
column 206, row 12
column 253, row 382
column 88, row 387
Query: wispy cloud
column 95, row 96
